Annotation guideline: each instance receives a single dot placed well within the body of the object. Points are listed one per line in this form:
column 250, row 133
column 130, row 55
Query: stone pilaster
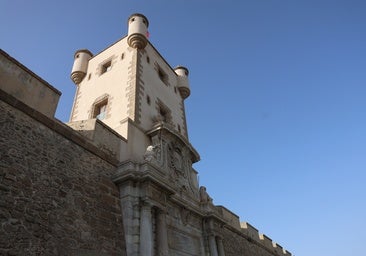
column 220, row 246
column 162, row 236
column 212, row 245
column 146, row 233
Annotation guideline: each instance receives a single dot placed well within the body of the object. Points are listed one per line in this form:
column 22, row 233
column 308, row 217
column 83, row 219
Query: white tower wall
column 136, row 87
column 107, row 79
column 162, row 94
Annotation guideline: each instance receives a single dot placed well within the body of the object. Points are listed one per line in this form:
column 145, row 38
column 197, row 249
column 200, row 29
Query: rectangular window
column 106, row 67
column 100, row 110
column 163, row 76
column 164, row 113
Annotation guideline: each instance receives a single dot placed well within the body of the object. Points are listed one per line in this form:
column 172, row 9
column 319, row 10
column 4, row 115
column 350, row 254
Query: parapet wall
column 101, row 135
column 230, row 218
column 250, row 231
column 23, row 84
column 253, row 235
column 248, row 238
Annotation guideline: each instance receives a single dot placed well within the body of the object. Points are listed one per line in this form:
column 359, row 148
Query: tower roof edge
column 84, row 50
column 140, row 15
column 182, row 67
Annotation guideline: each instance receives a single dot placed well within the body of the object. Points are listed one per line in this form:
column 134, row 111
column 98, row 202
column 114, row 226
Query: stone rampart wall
column 236, row 244
column 56, row 195
column 244, row 239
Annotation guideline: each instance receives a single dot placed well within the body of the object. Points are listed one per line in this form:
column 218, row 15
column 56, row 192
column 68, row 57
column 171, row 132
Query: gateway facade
column 118, row 178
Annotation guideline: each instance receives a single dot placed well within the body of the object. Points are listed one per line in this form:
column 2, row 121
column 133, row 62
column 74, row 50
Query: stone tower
column 129, row 92
column 131, row 88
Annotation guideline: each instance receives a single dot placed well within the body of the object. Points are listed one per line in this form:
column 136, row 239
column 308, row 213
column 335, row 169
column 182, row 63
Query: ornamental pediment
column 173, row 156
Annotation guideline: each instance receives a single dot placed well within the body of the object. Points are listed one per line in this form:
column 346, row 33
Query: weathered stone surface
column 180, row 242
column 239, row 245
column 56, row 198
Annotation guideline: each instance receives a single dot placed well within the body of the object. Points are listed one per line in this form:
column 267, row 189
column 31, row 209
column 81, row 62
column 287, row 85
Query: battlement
column 250, row 231
column 232, row 220
column 264, row 240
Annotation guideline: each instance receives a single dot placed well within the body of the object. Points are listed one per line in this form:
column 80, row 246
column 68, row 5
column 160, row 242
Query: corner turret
column 183, row 85
column 79, row 69
column 137, row 31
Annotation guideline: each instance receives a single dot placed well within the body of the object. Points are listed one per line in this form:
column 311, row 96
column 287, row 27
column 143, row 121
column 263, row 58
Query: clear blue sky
column 277, row 109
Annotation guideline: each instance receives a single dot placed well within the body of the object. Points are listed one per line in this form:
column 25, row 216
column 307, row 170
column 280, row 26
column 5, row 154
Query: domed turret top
column 137, row 31
column 145, row 20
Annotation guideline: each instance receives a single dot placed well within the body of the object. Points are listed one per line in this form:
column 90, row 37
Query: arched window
column 99, row 109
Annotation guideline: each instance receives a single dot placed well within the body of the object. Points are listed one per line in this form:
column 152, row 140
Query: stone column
column 212, row 244
column 161, row 232
column 220, row 246
column 146, row 235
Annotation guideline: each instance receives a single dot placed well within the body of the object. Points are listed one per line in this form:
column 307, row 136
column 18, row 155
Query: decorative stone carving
column 176, row 158
column 204, row 196
column 149, row 153
column 153, row 153
column 177, row 161
column 185, row 215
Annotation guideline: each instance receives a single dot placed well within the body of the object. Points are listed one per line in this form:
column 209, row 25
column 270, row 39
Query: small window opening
column 163, row 113
column 179, row 128
column 100, row 110
column 122, row 56
column 148, row 59
column 106, row 67
column 163, row 76
column 148, row 100
column 89, row 76
column 77, row 56
column 175, row 89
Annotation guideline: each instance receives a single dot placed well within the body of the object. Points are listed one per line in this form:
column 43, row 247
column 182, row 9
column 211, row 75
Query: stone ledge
column 58, row 127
